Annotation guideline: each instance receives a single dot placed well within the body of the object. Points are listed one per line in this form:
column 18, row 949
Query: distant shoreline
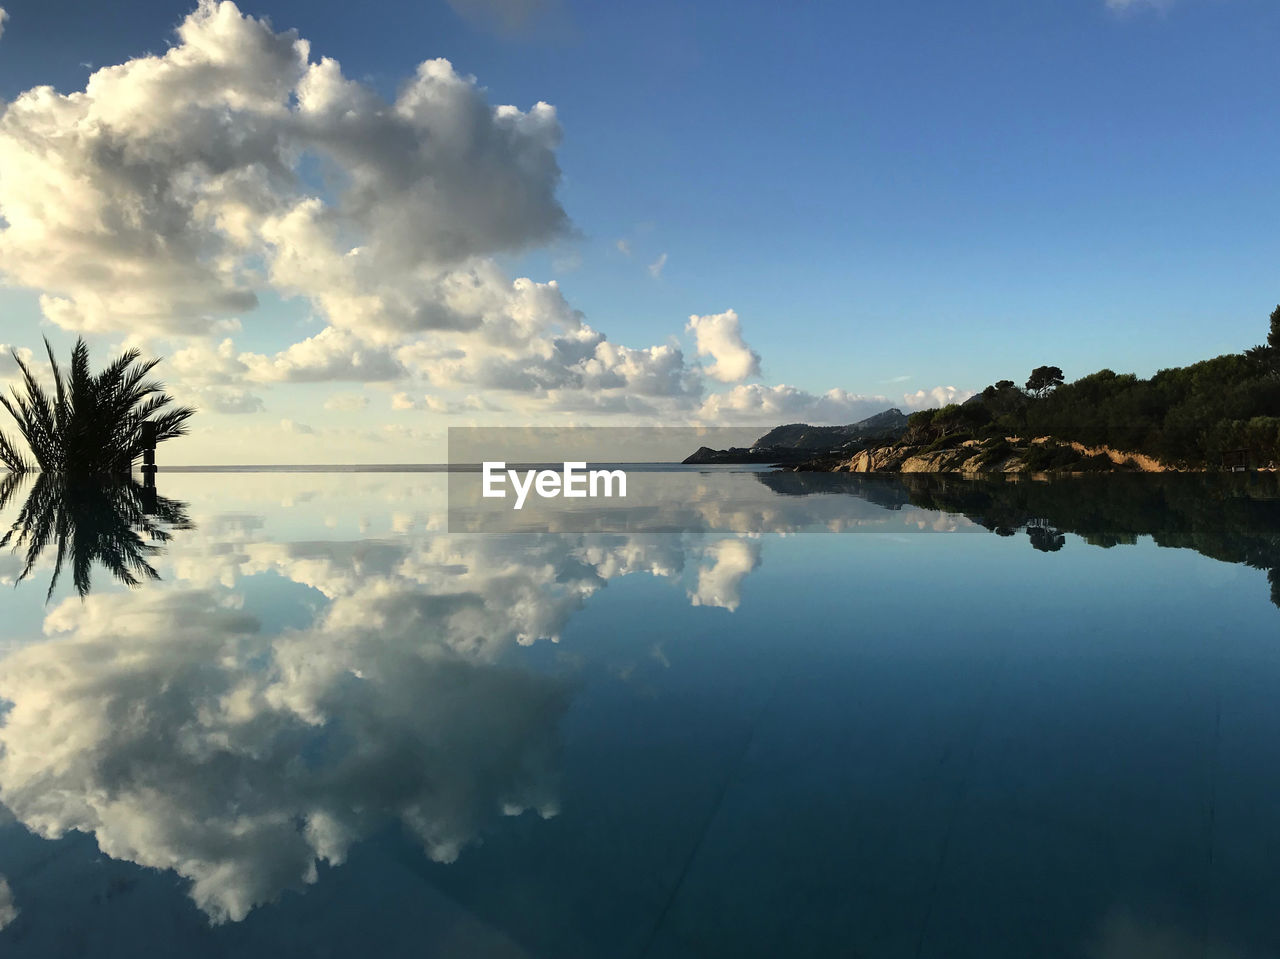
column 654, row 466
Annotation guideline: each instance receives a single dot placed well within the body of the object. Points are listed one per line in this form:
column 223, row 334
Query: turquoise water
column 834, row 717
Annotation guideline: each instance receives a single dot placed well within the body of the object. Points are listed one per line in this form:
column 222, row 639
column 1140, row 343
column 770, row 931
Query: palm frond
column 92, row 424
column 90, row 522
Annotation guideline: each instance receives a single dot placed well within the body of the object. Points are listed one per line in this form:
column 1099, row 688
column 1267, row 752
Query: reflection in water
column 294, row 687
column 720, row 583
column 118, row 524
column 169, row 728
column 1234, row 518
column 8, row 910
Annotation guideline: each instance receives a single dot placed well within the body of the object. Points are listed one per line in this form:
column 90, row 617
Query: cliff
column 995, row 455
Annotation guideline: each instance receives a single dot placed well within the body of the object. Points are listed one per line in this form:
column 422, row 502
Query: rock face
column 999, row 455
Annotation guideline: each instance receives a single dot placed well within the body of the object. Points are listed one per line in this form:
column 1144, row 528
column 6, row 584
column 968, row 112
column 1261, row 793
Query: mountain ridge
column 800, row 442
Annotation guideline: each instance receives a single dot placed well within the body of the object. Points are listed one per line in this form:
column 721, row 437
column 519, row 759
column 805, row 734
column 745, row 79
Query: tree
column 93, row 423
column 1043, row 379
column 1046, row 538
column 113, row 521
column 1267, row 355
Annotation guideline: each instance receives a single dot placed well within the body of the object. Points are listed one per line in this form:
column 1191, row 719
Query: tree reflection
column 120, row 524
column 1234, row 518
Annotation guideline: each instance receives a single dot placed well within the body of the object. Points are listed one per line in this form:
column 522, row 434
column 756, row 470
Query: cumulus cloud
column 153, row 198
column 289, row 426
column 403, row 401
column 226, row 399
column 4, row 16
column 719, row 336
column 332, row 354
column 202, row 364
column 578, row 360
column 172, row 191
column 938, row 396
column 756, row 403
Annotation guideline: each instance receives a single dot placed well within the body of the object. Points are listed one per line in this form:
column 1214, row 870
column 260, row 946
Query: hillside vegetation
column 1218, row 410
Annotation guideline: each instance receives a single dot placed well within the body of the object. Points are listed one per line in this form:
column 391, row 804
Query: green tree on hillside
column 1268, row 354
column 1044, row 379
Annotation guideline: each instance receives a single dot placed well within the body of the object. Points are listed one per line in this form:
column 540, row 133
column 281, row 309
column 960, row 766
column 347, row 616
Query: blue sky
column 891, row 196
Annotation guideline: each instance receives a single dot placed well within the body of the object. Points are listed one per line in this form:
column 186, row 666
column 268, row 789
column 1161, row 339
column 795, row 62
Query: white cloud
column 148, row 200
column 289, row 426
column 403, row 401
column 4, row 16
column 226, row 399
column 203, row 364
column 163, row 199
column 938, row 396
column 346, row 402
column 624, row 247
column 580, row 359
column 757, row 403
column 332, row 354
column 719, row 336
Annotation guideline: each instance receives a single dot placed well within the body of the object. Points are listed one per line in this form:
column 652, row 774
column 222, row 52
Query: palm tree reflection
column 118, row 523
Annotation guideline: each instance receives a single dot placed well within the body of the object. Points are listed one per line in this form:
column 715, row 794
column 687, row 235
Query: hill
column 1218, row 413
column 799, row 442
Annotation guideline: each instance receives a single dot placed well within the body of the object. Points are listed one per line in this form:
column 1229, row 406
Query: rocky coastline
column 1008, row 454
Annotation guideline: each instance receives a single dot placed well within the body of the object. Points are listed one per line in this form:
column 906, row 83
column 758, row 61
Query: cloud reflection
column 8, row 909
column 168, row 727
column 185, row 732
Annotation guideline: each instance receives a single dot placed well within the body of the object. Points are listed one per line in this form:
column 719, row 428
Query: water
column 979, row 720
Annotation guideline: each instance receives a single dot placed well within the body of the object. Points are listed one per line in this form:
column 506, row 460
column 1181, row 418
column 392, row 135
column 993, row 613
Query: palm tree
column 93, row 423
column 118, row 523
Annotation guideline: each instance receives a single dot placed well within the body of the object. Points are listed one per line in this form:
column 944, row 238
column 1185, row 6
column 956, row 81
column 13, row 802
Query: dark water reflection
column 120, row 525
column 331, row 729
column 1230, row 517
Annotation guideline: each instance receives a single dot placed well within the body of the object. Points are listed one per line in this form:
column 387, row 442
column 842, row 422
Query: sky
column 349, row 227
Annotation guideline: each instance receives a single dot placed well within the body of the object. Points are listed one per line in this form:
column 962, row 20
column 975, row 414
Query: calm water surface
column 833, row 717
